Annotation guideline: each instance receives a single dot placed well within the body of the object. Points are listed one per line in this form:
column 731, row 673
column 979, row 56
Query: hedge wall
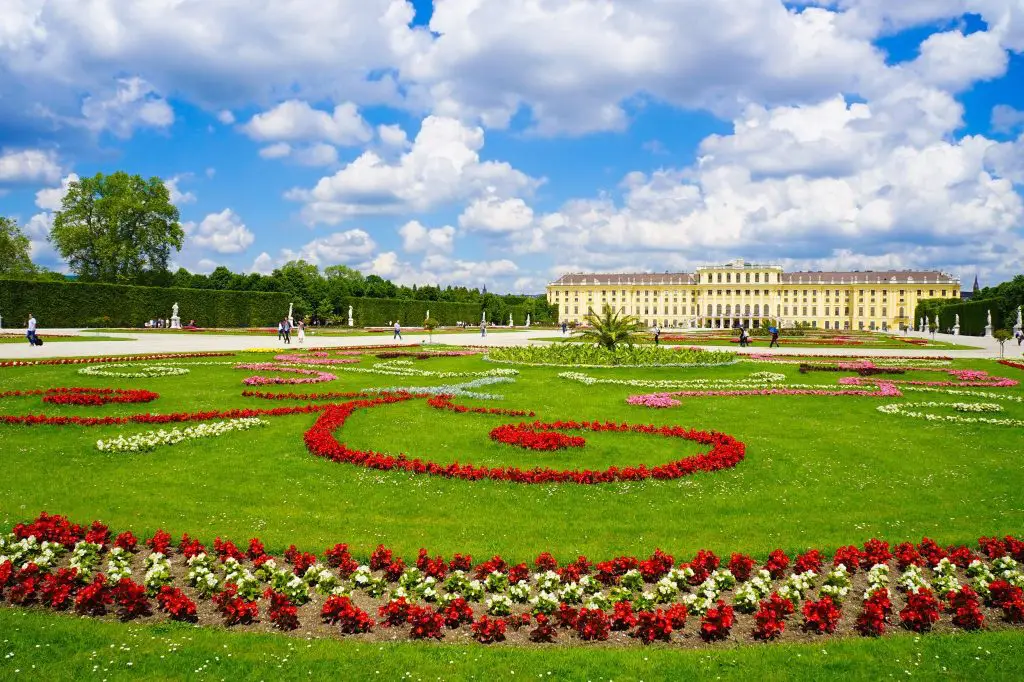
column 78, row 304
column 973, row 314
column 375, row 312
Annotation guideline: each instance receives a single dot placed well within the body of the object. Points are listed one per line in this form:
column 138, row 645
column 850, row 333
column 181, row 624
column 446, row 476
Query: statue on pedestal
column 291, row 320
column 350, row 316
column 1020, row 323
column 956, row 325
column 175, row 320
column 527, row 319
column 988, row 326
column 510, row 319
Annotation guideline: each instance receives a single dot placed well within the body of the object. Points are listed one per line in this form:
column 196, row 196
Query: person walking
column 287, row 331
column 743, row 337
column 657, row 335
column 483, row 329
column 774, row 331
column 565, row 327
column 302, row 331
column 398, row 331
column 280, row 330
column 1020, row 336
column 30, row 333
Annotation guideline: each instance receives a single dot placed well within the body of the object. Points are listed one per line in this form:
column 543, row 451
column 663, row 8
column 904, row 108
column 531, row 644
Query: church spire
column 976, row 287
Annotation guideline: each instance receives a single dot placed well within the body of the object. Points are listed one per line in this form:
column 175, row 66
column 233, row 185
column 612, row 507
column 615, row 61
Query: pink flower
column 653, row 400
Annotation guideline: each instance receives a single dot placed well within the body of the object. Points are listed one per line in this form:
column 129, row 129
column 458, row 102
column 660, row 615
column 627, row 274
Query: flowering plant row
column 535, row 437
column 60, row 565
column 405, row 368
column 754, row 379
column 312, row 376
column 913, row 410
column 884, row 389
column 463, row 390
column 1012, row 363
column 579, row 355
column 144, row 442
column 113, row 358
column 725, row 452
column 889, row 360
column 138, row 371
column 315, row 358
column 86, row 396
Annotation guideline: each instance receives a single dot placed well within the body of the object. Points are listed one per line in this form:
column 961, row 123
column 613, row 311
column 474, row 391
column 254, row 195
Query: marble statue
column 527, row 319
column 291, row 320
column 174, row 310
column 175, row 322
column 350, row 316
column 510, row 320
column 1020, row 323
column 989, row 318
column 428, row 314
column 483, row 317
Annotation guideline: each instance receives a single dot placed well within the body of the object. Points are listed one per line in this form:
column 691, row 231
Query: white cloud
column 177, row 196
column 29, row 165
column 318, row 154
column 416, row 237
column 494, row 215
column 442, row 166
column 954, row 61
column 277, row 150
column 226, row 117
column 51, row 198
column 222, row 232
column 1006, row 119
column 440, row 268
column 296, row 121
column 393, row 136
column 263, row 264
column 133, row 104
column 334, row 249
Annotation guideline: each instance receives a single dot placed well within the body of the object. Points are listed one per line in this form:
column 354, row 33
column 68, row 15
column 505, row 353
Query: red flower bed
column 487, row 630
column 921, row 611
column 717, row 622
column 535, row 438
column 350, row 618
column 86, row 396
column 726, row 452
column 176, row 604
column 652, row 627
column 822, row 616
column 1012, row 363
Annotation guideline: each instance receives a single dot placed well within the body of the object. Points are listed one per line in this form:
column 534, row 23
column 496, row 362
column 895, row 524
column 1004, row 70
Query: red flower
column 235, row 609
column 426, row 623
column 190, row 547
column 875, row 552
column 176, row 604
column 821, row 616
column 592, row 625
column 848, row 556
column 921, row 611
column 524, row 436
column 126, row 541
column 622, row 616
column 56, row 589
column 160, row 542
column 544, row 632
column 964, row 604
column 717, row 622
column 457, row 612
column 810, row 560
column 131, row 599
column 487, row 630
column 653, row 626
column 777, row 563
column 283, row 613
column 741, row 566
column 92, row 600
column 395, row 612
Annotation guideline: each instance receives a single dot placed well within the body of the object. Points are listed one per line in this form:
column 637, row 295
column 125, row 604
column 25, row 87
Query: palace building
column 747, row 294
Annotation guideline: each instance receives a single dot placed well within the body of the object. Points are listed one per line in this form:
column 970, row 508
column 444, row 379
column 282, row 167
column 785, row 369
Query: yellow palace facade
column 747, row 294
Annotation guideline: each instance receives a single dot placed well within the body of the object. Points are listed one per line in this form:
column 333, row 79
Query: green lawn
column 48, row 338
column 875, row 341
column 310, row 331
column 819, row 472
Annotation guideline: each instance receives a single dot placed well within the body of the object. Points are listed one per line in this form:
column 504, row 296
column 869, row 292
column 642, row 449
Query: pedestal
column 350, row 322
column 175, row 323
column 988, row 330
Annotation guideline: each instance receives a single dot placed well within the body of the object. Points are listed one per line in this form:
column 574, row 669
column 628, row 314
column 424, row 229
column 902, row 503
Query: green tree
column 115, row 228
column 609, row 329
column 1002, row 336
column 15, row 250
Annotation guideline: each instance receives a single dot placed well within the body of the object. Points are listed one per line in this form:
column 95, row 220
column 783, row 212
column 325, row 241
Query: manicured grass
column 20, row 338
column 819, row 472
column 310, row 331
column 787, row 342
column 46, row 646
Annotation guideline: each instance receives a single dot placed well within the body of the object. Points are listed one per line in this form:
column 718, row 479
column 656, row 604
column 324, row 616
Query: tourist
column 398, row 331
column 565, row 326
column 302, row 331
column 483, row 329
column 30, row 333
column 657, row 335
column 287, row 326
column 280, row 330
column 1020, row 336
column 743, row 337
column 774, row 331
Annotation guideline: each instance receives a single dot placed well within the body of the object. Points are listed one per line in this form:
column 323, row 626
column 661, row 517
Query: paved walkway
column 187, row 342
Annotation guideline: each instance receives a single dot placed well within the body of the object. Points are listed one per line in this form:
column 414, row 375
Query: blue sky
column 504, row 142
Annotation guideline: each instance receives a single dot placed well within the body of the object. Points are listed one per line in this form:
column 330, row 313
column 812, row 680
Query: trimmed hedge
column 375, row 312
column 79, row 304
column 973, row 314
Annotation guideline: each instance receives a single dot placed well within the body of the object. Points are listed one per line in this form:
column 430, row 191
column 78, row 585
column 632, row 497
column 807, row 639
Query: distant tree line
column 122, row 229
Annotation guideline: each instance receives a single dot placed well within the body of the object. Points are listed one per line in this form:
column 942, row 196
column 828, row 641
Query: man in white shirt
column 31, row 333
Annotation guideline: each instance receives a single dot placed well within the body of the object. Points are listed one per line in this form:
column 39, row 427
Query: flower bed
column 145, row 442
column 913, row 410
column 535, row 437
column 725, row 452
column 755, row 379
column 585, row 355
column 113, row 358
column 312, row 376
column 1011, row 363
column 625, row 600
column 141, row 371
column 86, row 396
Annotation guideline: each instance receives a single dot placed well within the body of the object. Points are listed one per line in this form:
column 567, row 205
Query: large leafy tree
column 609, row 329
column 15, row 250
column 117, row 228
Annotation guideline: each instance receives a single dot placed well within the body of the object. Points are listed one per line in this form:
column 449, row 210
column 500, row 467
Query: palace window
column 728, row 277
column 826, row 324
column 885, row 312
column 757, row 276
column 719, row 278
column 786, row 309
column 748, row 277
column 718, row 310
column 860, row 312
column 846, row 310
column 805, row 311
